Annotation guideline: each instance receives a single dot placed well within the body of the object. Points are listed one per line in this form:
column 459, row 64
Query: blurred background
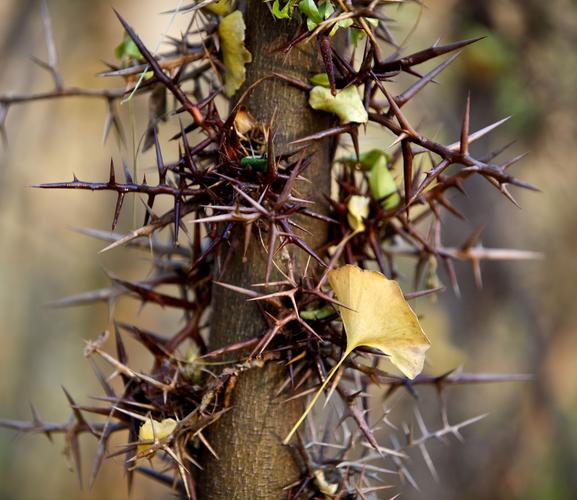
column 522, row 321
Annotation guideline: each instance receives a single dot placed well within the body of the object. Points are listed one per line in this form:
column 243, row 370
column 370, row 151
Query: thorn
column 464, row 146
column 407, row 170
column 408, row 94
column 476, row 263
column 324, row 41
column 405, row 63
column 127, row 174
column 112, row 178
column 473, row 238
column 117, row 208
column 475, row 136
column 452, row 276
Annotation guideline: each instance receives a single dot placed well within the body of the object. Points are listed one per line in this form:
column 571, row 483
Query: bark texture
column 253, row 462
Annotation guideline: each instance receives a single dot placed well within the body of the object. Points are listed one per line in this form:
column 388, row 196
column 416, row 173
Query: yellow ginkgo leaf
column 235, row 56
column 152, row 430
column 378, row 316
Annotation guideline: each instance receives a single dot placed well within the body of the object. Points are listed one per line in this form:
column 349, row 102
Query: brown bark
column 253, row 462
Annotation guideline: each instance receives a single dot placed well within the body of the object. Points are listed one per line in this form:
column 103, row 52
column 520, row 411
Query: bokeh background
column 522, row 321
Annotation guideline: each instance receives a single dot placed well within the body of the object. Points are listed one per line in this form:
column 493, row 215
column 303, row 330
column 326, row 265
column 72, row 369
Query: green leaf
column 314, row 13
column 318, row 314
column 370, row 158
column 309, row 8
column 255, row 162
column 127, row 50
column 356, row 35
column 326, row 9
column 347, row 104
column 231, row 31
column 345, row 23
column 381, row 181
column 321, row 79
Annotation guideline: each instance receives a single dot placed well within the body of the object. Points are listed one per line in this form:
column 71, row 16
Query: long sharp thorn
column 403, row 122
column 475, row 136
column 99, row 456
column 452, row 276
column 120, row 349
column 493, row 154
column 508, row 195
column 112, row 178
column 354, row 133
column 117, row 208
column 327, row 55
column 51, row 46
column 512, row 161
column 405, row 63
column 77, row 413
column 407, row 170
column 176, row 218
column 101, row 379
column 127, row 174
column 450, row 207
column 159, row 161
column 464, row 143
column 423, row 293
column 476, row 263
column 473, row 239
column 408, row 94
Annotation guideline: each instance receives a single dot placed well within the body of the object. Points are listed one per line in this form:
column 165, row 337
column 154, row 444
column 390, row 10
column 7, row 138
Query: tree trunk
column 253, row 464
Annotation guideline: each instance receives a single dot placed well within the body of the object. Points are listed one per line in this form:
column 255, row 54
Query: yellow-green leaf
column 378, row 316
column 382, row 184
column 347, row 104
column 152, row 430
column 231, row 31
column 221, row 7
column 317, row 314
column 364, row 161
column 285, row 12
column 321, row 79
column 127, row 50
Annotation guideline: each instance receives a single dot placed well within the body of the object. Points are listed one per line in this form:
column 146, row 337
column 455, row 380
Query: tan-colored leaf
column 358, row 211
column 323, row 485
column 244, row 122
column 347, row 104
column 231, row 31
column 378, row 316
